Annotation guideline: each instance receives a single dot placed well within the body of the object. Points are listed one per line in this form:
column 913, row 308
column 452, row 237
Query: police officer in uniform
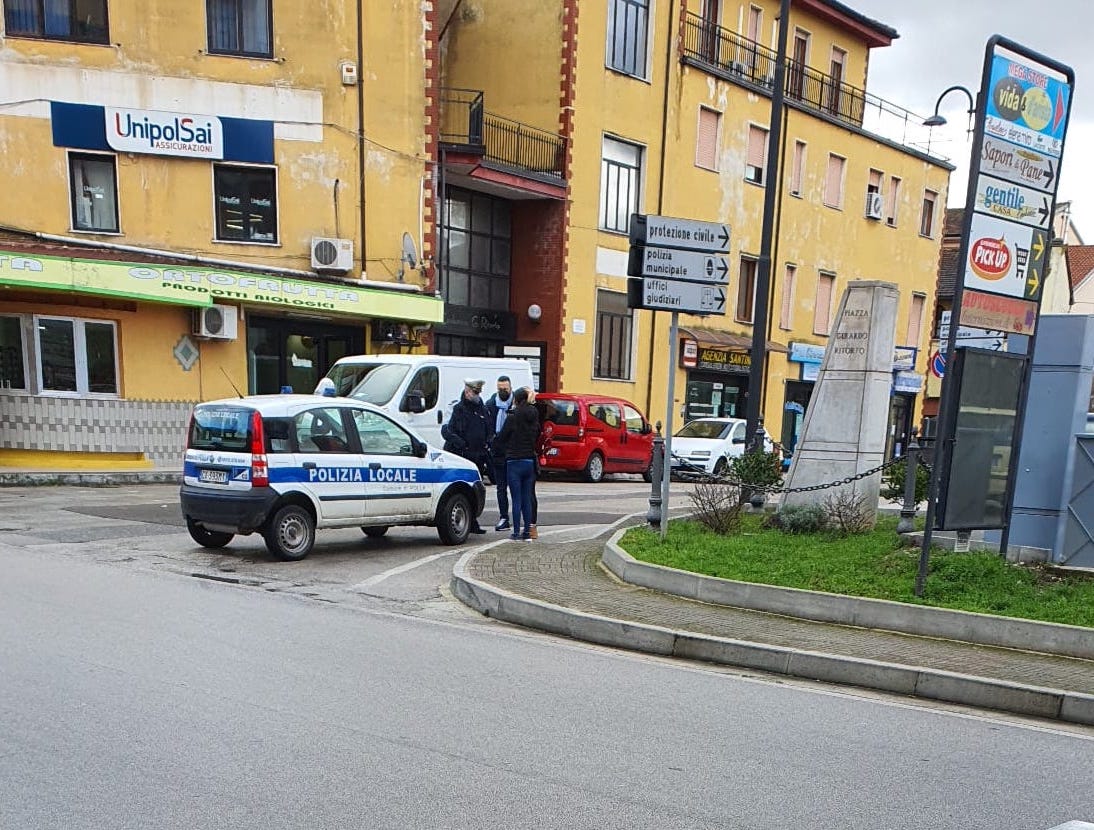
column 470, row 430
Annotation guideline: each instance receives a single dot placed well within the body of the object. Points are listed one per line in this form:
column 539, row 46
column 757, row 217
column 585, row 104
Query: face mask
column 503, row 394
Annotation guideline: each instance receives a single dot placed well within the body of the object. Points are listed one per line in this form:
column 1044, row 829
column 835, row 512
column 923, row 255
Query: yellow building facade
column 664, row 106
column 171, row 171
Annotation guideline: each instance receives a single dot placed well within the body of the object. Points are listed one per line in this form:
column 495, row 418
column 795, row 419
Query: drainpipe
column 661, row 197
column 361, row 124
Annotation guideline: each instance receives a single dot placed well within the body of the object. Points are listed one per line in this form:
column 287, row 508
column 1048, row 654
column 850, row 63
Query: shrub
column 717, row 506
column 848, row 514
column 799, row 518
column 893, row 483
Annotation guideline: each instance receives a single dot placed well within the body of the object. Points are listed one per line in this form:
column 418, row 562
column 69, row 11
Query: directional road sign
column 673, row 295
column 670, row 263
column 685, row 234
column 1007, row 200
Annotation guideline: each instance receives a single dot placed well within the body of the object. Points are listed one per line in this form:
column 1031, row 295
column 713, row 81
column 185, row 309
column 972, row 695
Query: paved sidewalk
column 563, row 588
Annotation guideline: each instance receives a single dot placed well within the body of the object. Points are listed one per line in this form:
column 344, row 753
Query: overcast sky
column 942, row 43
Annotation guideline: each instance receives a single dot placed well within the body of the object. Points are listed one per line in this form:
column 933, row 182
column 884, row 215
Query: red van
column 596, row 434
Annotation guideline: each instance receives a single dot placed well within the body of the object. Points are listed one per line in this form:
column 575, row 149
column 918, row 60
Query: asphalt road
column 136, row 698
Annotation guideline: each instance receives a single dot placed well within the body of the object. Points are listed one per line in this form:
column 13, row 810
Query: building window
column 13, row 354
column 246, row 203
column 833, row 182
column 94, row 190
column 478, row 250
column 628, row 32
column 786, row 314
column 926, row 219
column 82, row 21
column 240, row 27
column 822, row 309
column 757, row 154
column 915, row 320
column 798, row 63
column 746, row 291
column 706, row 143
column 76, row 356
column 892, row 201
column 614, row 325
column 835, row 80
column 797, row 169
column 620, row 181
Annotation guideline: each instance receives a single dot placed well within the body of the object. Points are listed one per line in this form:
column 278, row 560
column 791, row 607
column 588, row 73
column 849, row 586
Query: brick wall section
column 156, row 428
column 539, row 252
column 566, row 128
column 432, row 126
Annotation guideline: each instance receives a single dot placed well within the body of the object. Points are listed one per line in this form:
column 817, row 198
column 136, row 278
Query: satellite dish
column 410, row 254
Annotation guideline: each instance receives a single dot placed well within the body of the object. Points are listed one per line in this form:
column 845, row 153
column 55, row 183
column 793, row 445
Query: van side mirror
column 413, row 401
column 738, row 440
column 646, row 428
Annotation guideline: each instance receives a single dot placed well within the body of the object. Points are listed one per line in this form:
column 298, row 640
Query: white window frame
column 649, row 36
column 636, row 207
column 72, row 195
column 79, row 346
column 28, row 376
column 277, row 207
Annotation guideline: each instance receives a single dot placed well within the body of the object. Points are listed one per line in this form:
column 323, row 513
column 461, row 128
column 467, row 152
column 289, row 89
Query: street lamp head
column 935, row 120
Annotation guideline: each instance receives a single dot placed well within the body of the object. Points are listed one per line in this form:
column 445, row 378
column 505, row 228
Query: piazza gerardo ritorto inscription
column 844, row 430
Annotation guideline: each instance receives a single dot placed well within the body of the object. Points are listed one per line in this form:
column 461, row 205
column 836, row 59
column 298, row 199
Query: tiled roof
column 1080, row 262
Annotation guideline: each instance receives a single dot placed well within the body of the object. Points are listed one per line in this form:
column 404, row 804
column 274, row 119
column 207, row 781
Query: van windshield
column 347, row 375
column 380, row 384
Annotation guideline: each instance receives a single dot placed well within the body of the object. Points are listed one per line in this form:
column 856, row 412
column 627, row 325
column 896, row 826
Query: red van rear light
column 260, row 472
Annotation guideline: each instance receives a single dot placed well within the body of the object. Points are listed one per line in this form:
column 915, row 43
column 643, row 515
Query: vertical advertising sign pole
column 666, row 474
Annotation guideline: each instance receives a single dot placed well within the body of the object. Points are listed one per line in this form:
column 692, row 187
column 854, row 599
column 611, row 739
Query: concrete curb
column 89, row 479
column 983, row 629
column 906, row 680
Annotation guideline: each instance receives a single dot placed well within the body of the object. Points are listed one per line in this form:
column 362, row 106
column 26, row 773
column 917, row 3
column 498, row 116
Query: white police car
column 284, row 465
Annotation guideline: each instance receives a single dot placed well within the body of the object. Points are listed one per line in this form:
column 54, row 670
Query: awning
column 198, row 285
column 725, row 340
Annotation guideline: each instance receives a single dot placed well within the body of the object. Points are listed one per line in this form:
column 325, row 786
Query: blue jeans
column 522, row 478
column 501, row 479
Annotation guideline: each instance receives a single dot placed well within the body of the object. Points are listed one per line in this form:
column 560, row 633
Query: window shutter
column 823, row 310
column 796, row 171
column 786, row 313
column 915, row 320
column 891, row 199
column 875, row 181
column 833, row 183
column 757, row 142
column 706, row 144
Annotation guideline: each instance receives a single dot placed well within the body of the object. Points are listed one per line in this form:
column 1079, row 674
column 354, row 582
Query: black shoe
column 477, row 529
column 503, row 524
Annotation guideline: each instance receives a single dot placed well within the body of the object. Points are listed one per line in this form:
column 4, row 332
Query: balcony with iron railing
column 467, row 126
column 731, row 56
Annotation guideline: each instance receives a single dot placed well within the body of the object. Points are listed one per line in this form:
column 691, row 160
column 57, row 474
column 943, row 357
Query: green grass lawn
column 871, row 565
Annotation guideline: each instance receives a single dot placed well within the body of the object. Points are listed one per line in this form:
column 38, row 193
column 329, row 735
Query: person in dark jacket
column 519, row 435
column 469, row 432
column 498, row 409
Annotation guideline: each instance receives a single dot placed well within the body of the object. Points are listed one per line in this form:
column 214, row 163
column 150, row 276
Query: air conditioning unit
column 328, row 254
column 874, row 206
column 217, row 322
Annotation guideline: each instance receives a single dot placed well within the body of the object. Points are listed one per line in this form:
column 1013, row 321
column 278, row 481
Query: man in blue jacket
column 497, row 408
column 470, row 431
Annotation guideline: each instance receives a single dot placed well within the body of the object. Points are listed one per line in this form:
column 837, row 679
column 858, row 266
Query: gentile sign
column 164, row 133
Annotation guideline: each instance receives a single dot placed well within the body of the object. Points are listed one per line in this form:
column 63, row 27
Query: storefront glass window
column 478, row 253
column 77, row 356
column 246, row 203
column 94, row 193
column 12, row 354
column 57, row 353
column 102, row 370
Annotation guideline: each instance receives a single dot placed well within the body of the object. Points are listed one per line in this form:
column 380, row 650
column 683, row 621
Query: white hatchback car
column 284, row 465
column 707, row 444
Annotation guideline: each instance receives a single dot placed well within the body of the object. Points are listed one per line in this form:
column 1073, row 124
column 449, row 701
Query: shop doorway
column 296, row 353
column 798, row 395
column 899, row 431
column 710, row 396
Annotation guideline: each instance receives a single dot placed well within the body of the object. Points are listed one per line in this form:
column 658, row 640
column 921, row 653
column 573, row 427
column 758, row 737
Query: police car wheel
column 454, row 519
column 594, row 468
column 376, row 532
column 290, row 534
column 207, row 538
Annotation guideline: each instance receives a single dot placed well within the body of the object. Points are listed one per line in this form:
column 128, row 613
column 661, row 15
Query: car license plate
column 213, row 476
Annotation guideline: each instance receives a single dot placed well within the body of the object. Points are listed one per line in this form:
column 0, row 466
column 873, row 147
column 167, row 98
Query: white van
column 421, row 389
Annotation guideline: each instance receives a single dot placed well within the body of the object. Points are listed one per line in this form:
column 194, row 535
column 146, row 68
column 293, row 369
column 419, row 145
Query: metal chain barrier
column 696, row 473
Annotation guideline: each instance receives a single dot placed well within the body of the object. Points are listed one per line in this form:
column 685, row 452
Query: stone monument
column 844, row 430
